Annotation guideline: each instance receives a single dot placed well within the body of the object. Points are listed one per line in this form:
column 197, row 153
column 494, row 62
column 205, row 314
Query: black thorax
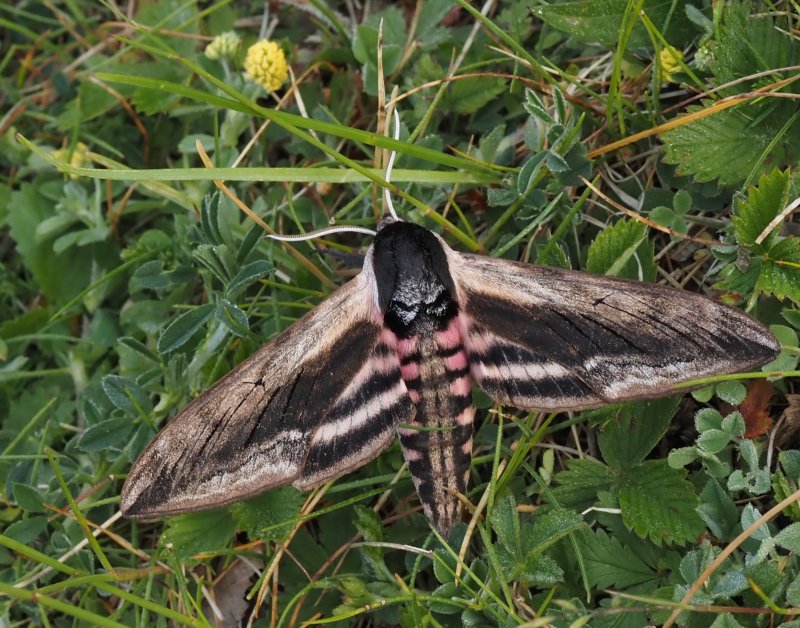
column 415, row 289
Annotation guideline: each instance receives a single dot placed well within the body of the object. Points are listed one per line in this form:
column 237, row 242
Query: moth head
column 388, row 219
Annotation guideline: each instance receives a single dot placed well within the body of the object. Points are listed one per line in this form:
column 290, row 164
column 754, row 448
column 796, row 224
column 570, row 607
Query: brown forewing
column 252, row 430
column 597, row 339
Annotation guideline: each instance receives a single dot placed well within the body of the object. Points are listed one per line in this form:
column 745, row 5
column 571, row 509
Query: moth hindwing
column 398, row 349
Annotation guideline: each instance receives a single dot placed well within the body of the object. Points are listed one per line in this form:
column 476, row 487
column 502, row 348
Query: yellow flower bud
column 77, row 158
column 223, row 46
column 266, row 64
column 668, row 59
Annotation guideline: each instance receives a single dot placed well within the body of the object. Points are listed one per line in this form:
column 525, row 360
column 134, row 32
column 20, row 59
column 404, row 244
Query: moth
column 397, row 350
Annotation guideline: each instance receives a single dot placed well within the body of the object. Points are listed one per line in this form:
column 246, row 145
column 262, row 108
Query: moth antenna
column 386, row 195
column 318, row 233
column 339, row 228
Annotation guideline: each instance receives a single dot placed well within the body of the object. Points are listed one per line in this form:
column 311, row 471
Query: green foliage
column 365, row 43
column 622, row 251
column 269, row 516
column 763, row 204
column 188, row 535
column 600, row 21
column 722, row 146
column 673, row 217
column 60, row 276
column 734, row 145
column 631, row 433
column 774, row 260
column 129, row 284
column 657, row 502
column 520, row 549
column 788, row 359
column 720, row 436
column 611, row 564
column 780, row 273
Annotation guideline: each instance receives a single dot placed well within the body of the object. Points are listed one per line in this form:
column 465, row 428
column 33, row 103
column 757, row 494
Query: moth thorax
column 410, row 269
column 415, row 288
column 419, row 308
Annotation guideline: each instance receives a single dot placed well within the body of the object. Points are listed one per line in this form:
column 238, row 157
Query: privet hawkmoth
column 397, row 350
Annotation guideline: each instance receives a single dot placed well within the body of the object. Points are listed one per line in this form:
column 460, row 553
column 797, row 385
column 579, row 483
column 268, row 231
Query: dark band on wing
column 326, row 458
column 609, row 330
column 520, row 389
column 359, row 426
column 375, row 386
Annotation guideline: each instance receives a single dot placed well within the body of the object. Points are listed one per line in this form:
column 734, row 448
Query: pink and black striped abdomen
column 437, row 445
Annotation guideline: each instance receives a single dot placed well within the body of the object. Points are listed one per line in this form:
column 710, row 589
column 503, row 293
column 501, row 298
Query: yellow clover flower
column 266, row 64
column 668, row 59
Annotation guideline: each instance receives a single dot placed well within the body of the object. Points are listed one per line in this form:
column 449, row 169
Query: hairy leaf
column 626, row 440
column 780, row 273
column 181, row 330
column 610, row 564
column 600, row 21
column 271, row 516
column 763, row 203
column 622, row 251
column 469, row 95
column 767, row 44
column 109, row 433
column 724, row 146
column 658, row 503
column 198, row 532
column 577, row 487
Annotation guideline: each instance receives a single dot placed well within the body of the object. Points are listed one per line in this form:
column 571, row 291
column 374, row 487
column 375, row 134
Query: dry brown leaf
column 757, row 420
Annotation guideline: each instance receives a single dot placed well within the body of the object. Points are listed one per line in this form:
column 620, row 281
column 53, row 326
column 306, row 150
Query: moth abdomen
column 437, row 444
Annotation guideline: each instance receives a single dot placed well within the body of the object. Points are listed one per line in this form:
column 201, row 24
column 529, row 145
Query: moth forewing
column 253, row 430
column 551, row 339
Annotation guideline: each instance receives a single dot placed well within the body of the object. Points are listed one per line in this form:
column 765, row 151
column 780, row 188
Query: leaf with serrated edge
column 763, row 203
column 610, row 564
column 658, row 503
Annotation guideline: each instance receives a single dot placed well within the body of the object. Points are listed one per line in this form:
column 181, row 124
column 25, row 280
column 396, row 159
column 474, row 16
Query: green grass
column 128, row 285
